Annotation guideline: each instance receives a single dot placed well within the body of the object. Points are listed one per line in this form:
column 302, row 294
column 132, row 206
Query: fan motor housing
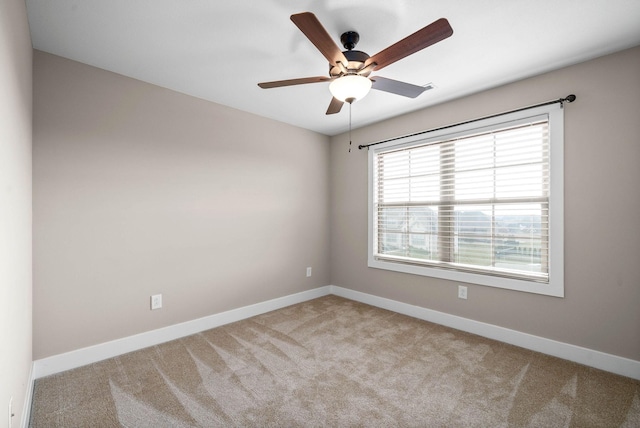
column 356, row 61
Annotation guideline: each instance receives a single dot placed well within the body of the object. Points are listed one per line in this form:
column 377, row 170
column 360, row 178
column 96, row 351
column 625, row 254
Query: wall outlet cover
column 156, row 301
column 462, row 292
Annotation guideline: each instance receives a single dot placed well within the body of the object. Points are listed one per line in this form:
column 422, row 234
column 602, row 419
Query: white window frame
column 555, row 286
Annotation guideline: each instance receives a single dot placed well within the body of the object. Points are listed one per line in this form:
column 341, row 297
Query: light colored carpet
column 335, row 362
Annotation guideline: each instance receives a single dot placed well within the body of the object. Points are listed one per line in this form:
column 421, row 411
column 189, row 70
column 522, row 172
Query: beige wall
column 15, row 209
column 139, row 190
column 602, row 206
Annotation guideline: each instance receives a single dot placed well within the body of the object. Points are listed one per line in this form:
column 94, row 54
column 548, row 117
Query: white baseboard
column 600, row 360
column 589, row 357
column 26, row 410
column 81, row 357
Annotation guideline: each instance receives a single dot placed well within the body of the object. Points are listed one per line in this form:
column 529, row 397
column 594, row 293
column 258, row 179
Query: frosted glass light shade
column 350, row 87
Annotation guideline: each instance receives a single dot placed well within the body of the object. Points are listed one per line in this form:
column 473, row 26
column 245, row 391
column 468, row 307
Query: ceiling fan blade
column 291, row 82
column 396, row 87
column 335, row 106
column 315, row 32
column 429, row 35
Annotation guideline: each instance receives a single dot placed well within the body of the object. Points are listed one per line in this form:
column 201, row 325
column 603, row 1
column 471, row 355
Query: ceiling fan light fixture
column 349, row 70
column 350, row 88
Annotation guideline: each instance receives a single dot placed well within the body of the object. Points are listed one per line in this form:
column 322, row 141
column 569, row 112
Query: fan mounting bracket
column 349, row 39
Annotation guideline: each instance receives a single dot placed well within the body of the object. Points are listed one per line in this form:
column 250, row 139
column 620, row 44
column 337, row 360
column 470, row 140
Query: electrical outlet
column 156, row 301
column 308, row 272
column 462, row 292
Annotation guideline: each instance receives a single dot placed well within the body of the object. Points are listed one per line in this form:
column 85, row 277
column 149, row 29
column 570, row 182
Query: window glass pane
column 521, row 235
column 392, row 219
column 422, row 220
column 391, row 244
column 394, row 164
column 474, row 152
column 423, row 233
column 473, row 235
column 394, row 190
column 474, row 184
column 520, row 181
column 425, row 188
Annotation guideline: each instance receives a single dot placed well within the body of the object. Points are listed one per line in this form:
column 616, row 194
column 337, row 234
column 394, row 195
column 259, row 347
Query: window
column 479, row 203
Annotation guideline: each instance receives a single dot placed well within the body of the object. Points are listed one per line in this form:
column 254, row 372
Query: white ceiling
column 220, row 50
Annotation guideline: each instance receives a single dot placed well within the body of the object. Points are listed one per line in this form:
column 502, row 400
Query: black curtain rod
column 569, row 99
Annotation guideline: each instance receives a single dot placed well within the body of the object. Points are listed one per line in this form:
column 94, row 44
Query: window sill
column 554, row 288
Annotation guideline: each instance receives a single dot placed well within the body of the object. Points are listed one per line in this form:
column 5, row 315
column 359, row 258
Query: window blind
column 476, row 203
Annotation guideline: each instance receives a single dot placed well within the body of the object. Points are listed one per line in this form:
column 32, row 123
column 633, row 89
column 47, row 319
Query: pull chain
column 350, row 127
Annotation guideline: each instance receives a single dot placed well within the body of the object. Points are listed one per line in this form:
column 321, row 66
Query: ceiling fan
column 350, row 70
